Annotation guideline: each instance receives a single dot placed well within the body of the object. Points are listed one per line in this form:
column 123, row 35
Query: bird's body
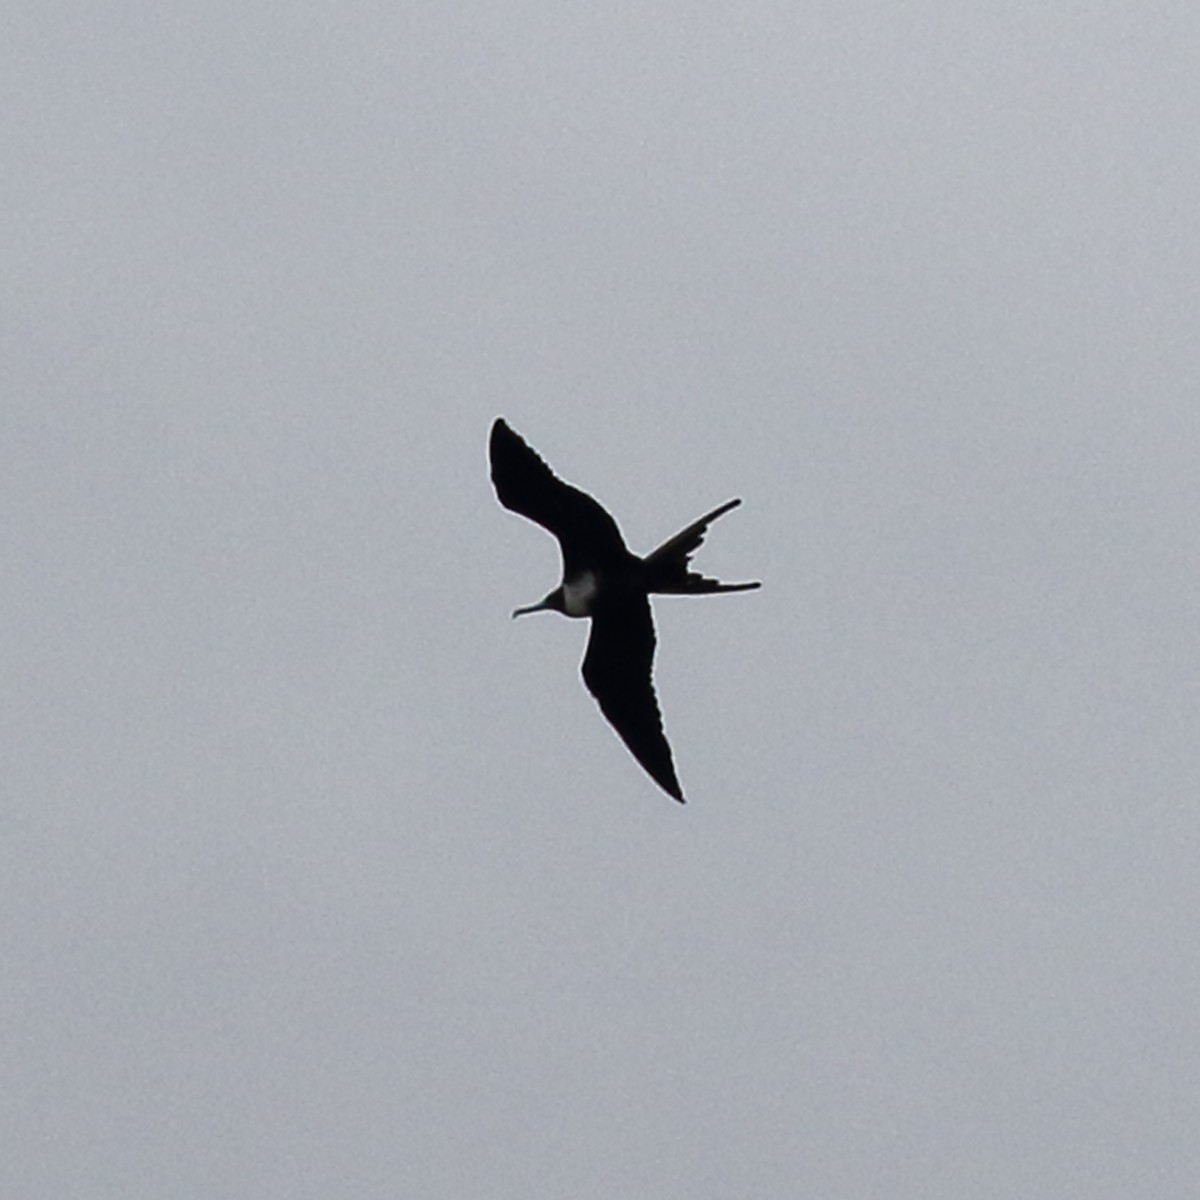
column 603, row 580
column 579, row 594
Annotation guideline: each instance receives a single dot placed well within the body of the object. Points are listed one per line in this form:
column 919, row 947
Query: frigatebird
column 604, row 580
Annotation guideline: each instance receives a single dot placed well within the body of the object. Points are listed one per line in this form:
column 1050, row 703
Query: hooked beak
column 532, row 608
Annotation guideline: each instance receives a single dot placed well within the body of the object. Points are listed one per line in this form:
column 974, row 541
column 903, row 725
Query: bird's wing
column 587, row 534
column 617, row 670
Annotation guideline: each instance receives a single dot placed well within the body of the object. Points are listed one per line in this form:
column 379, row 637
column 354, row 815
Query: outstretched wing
column 589, row 537
column 617, row 671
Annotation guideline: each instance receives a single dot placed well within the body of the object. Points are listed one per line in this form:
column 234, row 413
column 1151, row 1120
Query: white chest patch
column 578, row 595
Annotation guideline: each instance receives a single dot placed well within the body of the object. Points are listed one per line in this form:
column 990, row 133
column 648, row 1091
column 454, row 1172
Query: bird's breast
column 579, row 595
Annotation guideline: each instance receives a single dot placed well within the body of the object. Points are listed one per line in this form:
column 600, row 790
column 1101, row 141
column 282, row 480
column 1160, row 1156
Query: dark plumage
column 603, row 580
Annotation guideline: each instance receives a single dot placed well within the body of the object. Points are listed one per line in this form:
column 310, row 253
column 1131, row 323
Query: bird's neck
column 579, row 594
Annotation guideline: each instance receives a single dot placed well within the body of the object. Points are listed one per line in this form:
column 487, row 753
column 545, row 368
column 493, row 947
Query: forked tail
column 667, row 567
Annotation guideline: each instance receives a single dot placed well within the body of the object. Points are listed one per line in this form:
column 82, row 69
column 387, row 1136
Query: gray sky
column 320, row 877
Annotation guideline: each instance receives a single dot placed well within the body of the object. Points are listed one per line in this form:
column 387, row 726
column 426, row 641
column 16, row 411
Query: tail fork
column 667, row 567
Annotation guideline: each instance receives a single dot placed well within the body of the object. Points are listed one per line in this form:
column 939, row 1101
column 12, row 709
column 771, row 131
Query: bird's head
column 553, row 602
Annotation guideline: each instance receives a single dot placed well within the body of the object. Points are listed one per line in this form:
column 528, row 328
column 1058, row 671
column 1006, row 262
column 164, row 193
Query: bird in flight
column 604, row 580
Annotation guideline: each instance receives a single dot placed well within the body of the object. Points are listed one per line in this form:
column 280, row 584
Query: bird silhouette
column 604, row 580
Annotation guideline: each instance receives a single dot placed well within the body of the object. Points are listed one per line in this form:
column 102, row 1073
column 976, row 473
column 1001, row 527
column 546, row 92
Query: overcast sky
column 320, row 877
